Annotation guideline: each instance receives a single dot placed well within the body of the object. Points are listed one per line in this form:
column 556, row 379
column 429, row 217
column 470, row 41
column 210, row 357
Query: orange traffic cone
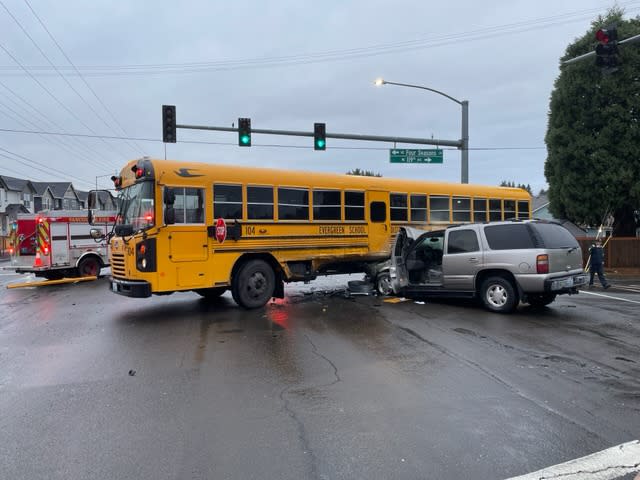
column 38, row 260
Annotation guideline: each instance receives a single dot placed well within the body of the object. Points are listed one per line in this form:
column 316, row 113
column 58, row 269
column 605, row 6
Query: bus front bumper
column 128, row 288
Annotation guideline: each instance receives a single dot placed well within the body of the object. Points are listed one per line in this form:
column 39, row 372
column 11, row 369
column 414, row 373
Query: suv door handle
column 473, row 260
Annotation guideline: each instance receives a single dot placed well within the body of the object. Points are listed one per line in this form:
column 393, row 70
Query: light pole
column 464, row 141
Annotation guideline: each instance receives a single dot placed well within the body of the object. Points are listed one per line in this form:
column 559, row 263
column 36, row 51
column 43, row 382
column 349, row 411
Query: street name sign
column 412, row 155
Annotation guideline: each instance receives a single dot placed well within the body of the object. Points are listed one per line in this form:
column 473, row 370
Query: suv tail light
column 542, row 263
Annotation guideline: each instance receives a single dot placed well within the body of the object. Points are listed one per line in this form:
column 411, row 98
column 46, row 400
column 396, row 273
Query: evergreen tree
column 593, row 135
column 364, row 173
column 512, row 184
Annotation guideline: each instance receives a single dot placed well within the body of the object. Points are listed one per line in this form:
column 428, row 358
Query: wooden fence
column 619, row 252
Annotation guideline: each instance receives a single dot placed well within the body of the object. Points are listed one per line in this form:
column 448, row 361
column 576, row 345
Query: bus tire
column 89, row 266
column 499, row 295
column 254, row 284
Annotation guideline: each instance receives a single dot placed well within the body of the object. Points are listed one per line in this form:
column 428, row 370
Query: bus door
column 187, row 235
column 379, row 223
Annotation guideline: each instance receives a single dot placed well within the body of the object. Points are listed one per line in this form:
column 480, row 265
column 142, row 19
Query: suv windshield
column 137, row 206
column 554, row 236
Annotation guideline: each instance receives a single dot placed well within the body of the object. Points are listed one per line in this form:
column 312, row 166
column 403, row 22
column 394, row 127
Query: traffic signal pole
column 344, row 136
column 629, row 40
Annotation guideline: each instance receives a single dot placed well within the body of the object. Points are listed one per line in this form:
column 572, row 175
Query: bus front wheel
column 254, row 284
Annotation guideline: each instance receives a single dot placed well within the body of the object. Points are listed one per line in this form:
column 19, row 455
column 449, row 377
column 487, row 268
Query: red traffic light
column 602, row 36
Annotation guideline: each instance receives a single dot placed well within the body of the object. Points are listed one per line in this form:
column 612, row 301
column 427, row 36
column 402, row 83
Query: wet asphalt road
column 97, row 386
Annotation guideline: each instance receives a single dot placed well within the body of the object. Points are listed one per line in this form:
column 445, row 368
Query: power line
column 113, row 117
column 278, row 145
column 66, row 80
column 51, row 94
column 83, row 155
column 430, row 41
column 36, row 166
column 61, row 143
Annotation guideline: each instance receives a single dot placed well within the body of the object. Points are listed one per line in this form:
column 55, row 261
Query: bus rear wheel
column 254, row 284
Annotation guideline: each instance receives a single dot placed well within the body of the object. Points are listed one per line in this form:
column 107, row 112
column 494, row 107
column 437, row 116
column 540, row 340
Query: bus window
column 461, row 209
column 419, row 208
column 259, row 203
column 509, row 209
column 378, row 212
column 479, row 209
column 227, row 201
column 523, row 209
column 439, row 208
column 354, row 205
column 326, row 204
column 398, row 203
column 495, row 209
column 293, row 204
column 189, row 205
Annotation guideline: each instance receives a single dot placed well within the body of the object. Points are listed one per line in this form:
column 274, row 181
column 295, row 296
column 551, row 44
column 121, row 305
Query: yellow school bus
column 210, row 228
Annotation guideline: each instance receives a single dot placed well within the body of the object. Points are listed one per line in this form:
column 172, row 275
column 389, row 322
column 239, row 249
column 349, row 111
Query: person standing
column 596, row 264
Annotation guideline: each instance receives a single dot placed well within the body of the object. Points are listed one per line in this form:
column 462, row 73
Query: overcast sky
column 284, row 64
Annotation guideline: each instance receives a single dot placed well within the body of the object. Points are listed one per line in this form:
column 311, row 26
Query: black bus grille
column 117, row 265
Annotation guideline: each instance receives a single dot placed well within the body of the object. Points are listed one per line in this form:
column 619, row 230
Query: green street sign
column 411, row 155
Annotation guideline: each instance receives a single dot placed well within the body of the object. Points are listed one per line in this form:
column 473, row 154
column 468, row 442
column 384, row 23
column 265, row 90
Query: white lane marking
column 608, row 464
column 609, row 296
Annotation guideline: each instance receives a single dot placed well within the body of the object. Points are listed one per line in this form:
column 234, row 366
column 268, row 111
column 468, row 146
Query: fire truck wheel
column 254, row 284
column 89, row 267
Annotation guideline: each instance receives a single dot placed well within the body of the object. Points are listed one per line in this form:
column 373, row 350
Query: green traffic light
column 320, row 143
column 245, row 139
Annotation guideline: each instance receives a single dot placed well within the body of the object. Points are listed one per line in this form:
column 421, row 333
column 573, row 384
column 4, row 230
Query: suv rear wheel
column 499, row 295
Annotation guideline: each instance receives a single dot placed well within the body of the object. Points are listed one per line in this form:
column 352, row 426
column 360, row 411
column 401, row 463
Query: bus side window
column 378, row 212
column 193, row 205
column 523, row 209
column 495, row 209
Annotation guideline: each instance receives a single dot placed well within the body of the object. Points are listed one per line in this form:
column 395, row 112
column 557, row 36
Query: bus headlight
column 146, row 255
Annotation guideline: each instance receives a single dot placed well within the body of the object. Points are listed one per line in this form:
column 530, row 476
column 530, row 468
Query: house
column 82, row 198
column 65, row 197
column 44, row 198
column 540, row 210
column 16, row 196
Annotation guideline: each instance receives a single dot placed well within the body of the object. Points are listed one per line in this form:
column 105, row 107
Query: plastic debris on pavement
column 395, row 300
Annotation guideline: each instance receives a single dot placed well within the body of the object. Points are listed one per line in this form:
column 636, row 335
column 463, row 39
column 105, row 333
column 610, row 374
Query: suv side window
column 554, row 236
column 462, row 241
column 509, row 237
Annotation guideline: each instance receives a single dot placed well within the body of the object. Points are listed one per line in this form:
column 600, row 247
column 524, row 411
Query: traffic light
column 607, row 48
column 319, row 136
column 244, row 132
column 169, row 123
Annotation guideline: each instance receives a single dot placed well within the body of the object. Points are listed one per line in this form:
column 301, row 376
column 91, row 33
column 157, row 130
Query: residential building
column 44, row 198
column 16, row 196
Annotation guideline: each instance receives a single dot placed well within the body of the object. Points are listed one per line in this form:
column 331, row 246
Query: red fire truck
column 64, row 247
column 26, row 234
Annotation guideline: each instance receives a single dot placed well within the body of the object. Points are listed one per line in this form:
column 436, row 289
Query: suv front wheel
column 499, row 295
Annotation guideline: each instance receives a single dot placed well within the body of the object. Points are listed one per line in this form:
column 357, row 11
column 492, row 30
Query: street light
column 464, row 141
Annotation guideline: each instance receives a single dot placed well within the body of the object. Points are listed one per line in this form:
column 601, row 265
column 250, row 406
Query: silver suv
column 502, row 263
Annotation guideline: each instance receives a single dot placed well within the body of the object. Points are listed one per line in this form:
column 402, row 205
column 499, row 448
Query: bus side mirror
column 96, row 234
column 169, row 215
column 93, row 202
column 169, row 196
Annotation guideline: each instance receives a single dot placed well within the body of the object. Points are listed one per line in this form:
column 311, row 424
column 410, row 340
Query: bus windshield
column 137, row 206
